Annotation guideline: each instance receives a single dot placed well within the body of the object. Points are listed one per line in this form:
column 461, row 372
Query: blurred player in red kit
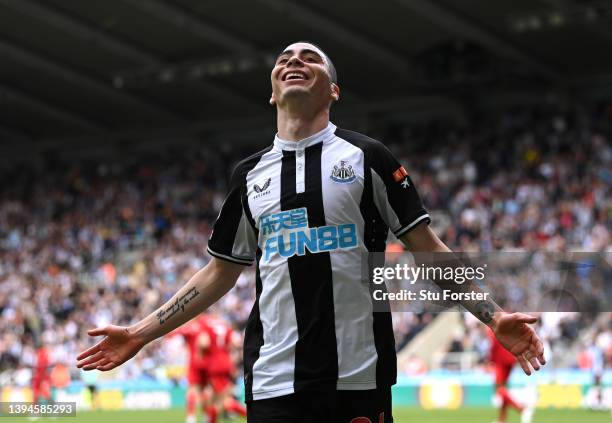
column 41, row 380
column 210, row 342
column 195, row 333
column 504, row 361
column 223, row 340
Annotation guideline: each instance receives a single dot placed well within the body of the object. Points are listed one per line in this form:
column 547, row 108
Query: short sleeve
column 395, row 195
column 233, row 237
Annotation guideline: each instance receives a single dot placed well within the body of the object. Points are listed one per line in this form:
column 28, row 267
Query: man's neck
column 297, row 126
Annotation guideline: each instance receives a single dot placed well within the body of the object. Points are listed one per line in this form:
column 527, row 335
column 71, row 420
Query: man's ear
column 335, row 92
column 272, row 100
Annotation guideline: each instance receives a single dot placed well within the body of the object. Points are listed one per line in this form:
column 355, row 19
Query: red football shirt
column 221, row 337
column 500, row 355
column 42, row 364
column 192, row 333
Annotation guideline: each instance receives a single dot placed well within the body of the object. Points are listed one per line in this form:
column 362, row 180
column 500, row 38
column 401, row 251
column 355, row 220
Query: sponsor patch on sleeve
column 400, row 174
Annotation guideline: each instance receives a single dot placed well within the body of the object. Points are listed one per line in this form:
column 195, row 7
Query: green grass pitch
column 401, row 415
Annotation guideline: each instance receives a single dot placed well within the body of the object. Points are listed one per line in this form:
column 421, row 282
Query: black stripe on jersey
column 247, row 211
column 316, row 356
column 375, row 237
column 253, row 337
column 221, row 242
column 224, row 241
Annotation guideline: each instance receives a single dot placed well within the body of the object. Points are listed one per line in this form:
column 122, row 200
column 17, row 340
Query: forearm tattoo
column 178, row 304
column 484, row 311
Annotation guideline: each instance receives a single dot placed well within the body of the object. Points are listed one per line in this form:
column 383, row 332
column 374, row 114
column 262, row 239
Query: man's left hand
column 514, row 333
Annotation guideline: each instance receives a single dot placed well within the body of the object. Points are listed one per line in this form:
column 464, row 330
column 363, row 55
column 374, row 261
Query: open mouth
column 294, row 75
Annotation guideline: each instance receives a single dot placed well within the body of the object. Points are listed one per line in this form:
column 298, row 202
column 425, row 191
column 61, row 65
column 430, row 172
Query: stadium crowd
column 107, row 242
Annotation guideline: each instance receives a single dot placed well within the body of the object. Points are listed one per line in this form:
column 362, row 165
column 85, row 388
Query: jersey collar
column 323, row 135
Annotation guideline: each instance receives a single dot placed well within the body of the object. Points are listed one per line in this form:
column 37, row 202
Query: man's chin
column 296, row 91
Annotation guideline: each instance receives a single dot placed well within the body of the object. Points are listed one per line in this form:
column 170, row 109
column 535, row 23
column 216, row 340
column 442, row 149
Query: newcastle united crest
column 343, row 174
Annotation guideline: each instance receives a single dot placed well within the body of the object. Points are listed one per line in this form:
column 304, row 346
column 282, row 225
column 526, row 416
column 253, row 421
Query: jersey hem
column 273, row 393
column 236, row 260
column 340, row 386
column 355, row 386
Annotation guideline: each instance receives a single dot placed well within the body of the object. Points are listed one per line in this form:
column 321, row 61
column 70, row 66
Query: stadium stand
column 99, row 242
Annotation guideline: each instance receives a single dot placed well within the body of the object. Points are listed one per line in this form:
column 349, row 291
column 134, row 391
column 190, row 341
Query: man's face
column 301, row 70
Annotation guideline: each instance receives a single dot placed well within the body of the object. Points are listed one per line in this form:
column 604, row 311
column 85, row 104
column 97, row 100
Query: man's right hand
column 117, row 347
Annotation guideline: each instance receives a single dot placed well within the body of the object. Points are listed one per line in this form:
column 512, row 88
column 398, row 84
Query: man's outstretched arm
column 200, row 292
column 512, row 329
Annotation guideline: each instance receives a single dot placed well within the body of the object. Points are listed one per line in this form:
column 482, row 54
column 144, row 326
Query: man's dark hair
column 333, row 76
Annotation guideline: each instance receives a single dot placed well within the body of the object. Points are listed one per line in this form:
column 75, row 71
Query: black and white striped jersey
column 307, row 213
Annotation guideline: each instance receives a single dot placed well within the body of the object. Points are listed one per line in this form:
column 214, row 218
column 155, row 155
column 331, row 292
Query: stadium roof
column 74, row 71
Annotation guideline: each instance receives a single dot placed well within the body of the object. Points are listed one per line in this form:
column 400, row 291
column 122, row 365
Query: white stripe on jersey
column 383, row 206
column 352, row 302
column 273, row 370
column 241, row 248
